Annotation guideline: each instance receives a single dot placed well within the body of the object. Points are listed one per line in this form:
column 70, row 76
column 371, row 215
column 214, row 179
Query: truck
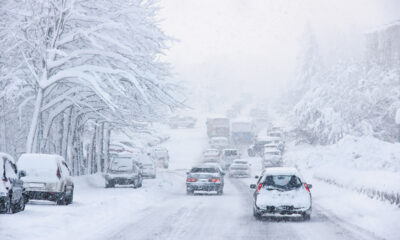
column 242, row 133
column 218, row 127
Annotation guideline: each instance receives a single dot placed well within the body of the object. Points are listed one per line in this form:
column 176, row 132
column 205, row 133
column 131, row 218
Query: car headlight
column 3, row 194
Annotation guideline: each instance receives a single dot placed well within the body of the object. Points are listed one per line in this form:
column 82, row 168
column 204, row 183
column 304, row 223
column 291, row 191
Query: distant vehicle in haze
column 48, row 177
column 205, row 178
column 161, row 156
column 281, row 192
column 212, row 155
column 219, row 142
column 239, row 170
column 242, row 132
column 182, row 122
column 218, row 127
column 241, row 161
column 228, row 155
column 272, row 158
column 257, row 148
column 123, row 170
column 11, row 187
column 149, row 169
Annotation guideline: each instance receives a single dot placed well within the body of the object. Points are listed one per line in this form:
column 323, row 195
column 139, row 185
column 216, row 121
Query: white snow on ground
column 162, row 210
column 355, row 169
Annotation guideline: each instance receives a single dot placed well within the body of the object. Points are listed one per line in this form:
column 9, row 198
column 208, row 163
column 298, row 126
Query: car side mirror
column 253, row 186
column 223, row 173
column 256, row 177
column 187, row 173
column 21, row 174
column 309, row 186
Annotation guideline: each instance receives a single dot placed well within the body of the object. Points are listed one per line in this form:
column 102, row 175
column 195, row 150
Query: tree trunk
column 35, row 122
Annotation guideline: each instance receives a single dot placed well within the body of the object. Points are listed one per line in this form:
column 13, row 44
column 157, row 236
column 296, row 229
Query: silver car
column 123, row 170
column 48, row 177
column 239, row 170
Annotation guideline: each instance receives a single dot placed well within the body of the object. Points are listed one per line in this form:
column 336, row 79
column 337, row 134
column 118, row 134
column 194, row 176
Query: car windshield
column 204, row 170
column 121, row 164
column 282, row 182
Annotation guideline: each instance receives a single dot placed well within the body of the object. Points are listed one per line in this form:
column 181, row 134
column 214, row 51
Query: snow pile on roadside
column 366, row 165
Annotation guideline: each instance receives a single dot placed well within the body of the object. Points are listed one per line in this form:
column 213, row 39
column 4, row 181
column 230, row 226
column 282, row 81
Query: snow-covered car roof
column 240, row 161
column 281, row 171
column 239, row 165
column 40, row 157
column 211, row 150
column 219, row 138
column 268, row 150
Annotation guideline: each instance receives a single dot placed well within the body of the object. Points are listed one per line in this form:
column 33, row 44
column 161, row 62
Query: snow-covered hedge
column 366, row 165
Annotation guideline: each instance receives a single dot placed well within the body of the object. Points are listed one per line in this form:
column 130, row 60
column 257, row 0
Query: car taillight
column 215, row 180
column 259, row 187
column 58, row 173
column 306, row 186
column 191, row 180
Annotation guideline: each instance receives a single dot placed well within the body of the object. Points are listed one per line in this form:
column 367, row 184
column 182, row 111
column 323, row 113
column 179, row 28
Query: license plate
column 203, row 180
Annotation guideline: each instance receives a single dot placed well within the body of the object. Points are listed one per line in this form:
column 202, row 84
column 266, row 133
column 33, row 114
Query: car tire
column 62, row 199
column 110, row 185
column 306, row 216
column 220, row 191
column 256, row 215
column 20, row 206
column 70, row 198
column 189, row 192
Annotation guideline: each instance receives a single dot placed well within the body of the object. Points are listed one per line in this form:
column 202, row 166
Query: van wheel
column 62, row 200
column 20, row 206
column 70, row 197
column 256, row 215
column 306, row 217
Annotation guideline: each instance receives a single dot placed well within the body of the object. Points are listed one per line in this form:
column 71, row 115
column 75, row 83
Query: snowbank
column 366, row 165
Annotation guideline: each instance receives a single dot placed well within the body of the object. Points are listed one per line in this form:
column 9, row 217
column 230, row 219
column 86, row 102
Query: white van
column 47, row 178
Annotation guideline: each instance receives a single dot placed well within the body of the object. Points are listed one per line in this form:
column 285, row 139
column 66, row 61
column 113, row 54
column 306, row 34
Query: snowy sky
column 251, row 45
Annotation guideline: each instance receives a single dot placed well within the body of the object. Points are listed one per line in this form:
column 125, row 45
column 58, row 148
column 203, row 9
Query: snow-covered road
column 162, row 210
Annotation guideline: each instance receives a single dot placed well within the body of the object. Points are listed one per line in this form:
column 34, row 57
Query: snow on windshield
column 121, row 164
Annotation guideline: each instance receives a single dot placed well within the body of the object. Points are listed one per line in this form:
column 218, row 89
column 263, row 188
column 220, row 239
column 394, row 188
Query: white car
column 272, row 158
column 281, row 192
column 211, row 155
column 241, row 161
column 48, row 177
column 149, row 169
column 161, row 156
column 219, row 142
column 239, row 170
